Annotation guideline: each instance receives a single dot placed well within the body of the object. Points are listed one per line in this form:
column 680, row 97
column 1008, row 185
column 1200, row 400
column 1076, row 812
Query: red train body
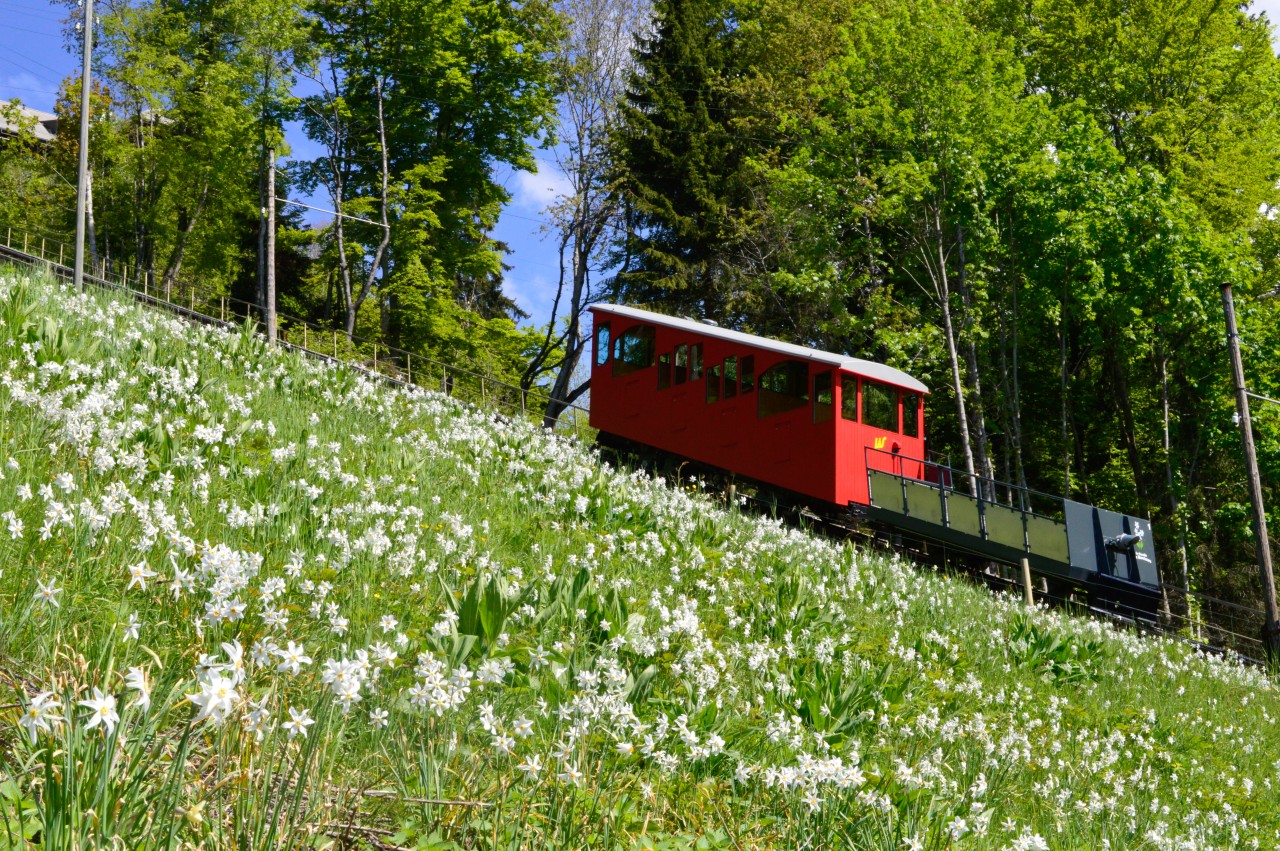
column 785, row 415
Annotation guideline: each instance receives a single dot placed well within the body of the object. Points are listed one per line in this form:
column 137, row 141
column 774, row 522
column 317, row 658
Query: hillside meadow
column 250, row 600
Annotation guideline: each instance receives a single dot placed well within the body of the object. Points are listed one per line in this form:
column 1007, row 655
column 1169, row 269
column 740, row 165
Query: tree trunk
column 90, row 230
column 376, row 264
column 978, row 417
column 184, row 233
column 943, row 289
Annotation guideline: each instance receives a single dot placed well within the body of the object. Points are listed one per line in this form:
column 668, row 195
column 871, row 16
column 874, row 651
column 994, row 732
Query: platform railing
column 204, row 304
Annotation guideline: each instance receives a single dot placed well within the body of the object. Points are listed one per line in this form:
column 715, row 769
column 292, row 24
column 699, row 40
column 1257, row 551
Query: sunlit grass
column 366, row 617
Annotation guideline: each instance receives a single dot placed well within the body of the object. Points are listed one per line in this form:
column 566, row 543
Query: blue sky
column 34, row 60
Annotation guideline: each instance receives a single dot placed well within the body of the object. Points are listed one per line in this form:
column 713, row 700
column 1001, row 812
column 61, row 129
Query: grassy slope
column 600, row 660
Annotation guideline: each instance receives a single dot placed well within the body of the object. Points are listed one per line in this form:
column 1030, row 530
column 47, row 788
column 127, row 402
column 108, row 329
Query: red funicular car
column 797, row 418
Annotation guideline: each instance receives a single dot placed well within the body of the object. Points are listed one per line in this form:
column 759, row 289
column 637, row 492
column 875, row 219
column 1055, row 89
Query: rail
column 1210, row 623
column 399, row 366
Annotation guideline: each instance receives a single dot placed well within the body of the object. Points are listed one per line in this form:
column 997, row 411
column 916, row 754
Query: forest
column 1031, row 205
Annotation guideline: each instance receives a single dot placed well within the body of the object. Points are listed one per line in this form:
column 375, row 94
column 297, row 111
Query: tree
column 592, row 65
column 681, row 166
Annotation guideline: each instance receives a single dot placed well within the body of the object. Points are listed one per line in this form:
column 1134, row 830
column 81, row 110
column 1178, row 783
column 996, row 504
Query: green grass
column 479, row 598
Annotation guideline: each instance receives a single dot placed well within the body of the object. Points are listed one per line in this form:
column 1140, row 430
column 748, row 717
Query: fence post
column 42, row 248
column 146, row 286
column 483, row 400
column 1026, row 582
column 222, row 308
column 191, row 298
column 375, row 355
column 409, row 363
column 304, row 335
column 24, row 242
column 335, row 344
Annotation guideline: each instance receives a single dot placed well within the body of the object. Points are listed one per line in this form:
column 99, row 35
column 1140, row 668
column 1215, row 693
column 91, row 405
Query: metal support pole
column 409, row 364
column 1262, row 543
column 335, row 345
column 82, row 182
column 271, row 246
column 1027, row 588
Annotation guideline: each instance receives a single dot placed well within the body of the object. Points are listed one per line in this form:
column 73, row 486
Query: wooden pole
column 1271, row 629
column 1027, row 589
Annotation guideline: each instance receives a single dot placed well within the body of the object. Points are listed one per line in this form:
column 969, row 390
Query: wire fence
column 372, row 356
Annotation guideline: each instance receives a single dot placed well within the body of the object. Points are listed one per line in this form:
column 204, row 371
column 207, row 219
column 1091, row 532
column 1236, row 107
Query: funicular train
column 846, row 435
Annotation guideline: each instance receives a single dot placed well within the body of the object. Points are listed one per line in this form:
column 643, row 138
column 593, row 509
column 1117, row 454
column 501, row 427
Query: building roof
column 870, row 369
column 46, row 123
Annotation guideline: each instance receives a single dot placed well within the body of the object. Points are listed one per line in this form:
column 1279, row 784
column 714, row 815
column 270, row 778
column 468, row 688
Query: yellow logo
column 880, row 442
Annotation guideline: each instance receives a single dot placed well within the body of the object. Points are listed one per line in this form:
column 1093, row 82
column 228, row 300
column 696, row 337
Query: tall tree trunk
column 376, row 263
column 1184, row 573
column 942, row 287
column 184, row 233
column 91, row 234
column 1064, row 388
column 977, row 415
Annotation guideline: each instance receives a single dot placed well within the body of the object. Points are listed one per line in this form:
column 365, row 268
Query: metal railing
column 370, row 356
column 1209, row 622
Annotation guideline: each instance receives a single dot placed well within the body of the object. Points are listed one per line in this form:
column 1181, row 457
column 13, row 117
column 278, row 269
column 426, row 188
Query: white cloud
column 535, row 192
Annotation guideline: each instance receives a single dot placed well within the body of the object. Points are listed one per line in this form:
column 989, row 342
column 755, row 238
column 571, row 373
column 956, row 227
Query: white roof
column 42, row 128
column 870, row 369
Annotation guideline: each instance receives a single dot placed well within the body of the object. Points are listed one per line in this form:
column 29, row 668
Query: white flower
column 136, row 679
column 532, row 766
column 570, row 775
column 292, row 658
column 299, row 721
column 131, row 628
column 48, row 593
column 523, row 728
column 41, row 714
column 138, row 576
column 102, row 708
column 388, row 623
column 216, row 698
column 378, row 718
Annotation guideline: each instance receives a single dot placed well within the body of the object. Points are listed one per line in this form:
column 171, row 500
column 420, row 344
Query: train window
column 747, row 374
column 664, row 370
column 633, row 350
column 602, row 344
column 879, row 405
column 783, row 387
column 695, row 361
column 849, row 398
column 910, row 415
column 682, row 364
column 730, row 377
column 823, row 401
column 713, row 384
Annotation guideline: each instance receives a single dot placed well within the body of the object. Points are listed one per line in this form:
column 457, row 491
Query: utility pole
column 1271, row 629
column 270, row 318
column 82, row 183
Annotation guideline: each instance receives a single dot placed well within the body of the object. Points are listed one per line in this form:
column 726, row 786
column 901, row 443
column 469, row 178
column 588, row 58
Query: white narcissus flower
column 292, row 658
column 47, row 593
column 299, row 721
column 216, row 698
column 138, row 575
column 102, row 708
column 136, row 679
column 41, row 714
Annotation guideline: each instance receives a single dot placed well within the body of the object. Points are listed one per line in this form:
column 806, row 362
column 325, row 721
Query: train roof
column 870, row 369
